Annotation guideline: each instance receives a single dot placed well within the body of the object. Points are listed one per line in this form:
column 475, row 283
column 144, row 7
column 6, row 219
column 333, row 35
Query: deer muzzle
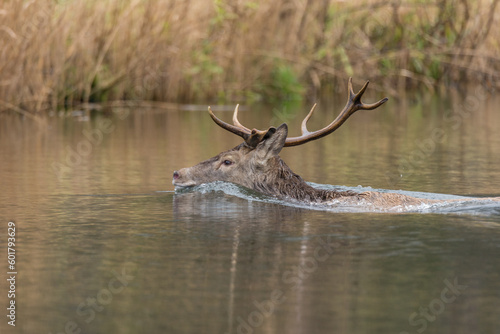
column 179, row 179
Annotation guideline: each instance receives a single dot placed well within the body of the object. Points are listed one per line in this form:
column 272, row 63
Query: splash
column 451, row 204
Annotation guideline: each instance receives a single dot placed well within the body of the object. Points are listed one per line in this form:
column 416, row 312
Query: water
column 105, row 245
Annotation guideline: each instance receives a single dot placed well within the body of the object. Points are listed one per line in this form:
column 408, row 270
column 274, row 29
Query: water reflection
column 269, row 244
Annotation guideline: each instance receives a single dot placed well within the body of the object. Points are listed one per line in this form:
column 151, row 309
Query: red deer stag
column 255, row 164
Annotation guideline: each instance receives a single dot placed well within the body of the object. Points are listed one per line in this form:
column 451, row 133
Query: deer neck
column 287, row 184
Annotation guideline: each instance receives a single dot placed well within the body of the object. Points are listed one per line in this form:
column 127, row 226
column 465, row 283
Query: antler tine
column 375, row 105
column 235, row 119
column 361, row 91
column 353, row 104
column 303, row 127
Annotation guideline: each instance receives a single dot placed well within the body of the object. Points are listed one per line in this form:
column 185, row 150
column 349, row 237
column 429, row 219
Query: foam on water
column 460, row 204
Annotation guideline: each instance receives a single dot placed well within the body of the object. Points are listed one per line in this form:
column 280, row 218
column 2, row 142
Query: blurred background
column 62, row 54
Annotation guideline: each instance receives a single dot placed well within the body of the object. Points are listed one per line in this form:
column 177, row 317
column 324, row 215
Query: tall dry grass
column 61, row 54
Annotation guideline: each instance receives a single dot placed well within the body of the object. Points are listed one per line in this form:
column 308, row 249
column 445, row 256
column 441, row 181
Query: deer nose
column 176, row 175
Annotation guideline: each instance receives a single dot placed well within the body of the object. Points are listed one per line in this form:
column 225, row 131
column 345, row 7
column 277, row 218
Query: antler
column 253, row 137
column 353, row 104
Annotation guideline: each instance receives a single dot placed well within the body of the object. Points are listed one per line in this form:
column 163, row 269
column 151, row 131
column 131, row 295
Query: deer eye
column 227, row 162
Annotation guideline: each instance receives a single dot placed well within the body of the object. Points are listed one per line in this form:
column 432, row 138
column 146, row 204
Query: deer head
column 256, row 164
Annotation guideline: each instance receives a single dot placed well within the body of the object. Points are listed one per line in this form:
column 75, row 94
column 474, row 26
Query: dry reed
column 62, row 54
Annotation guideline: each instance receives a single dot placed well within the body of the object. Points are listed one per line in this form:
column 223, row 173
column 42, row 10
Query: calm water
column 105, row 245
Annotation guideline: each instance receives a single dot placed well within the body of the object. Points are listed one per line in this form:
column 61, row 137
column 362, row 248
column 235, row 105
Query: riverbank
column 62, row 55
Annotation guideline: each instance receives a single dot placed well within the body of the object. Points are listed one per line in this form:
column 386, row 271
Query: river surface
column 104, row 244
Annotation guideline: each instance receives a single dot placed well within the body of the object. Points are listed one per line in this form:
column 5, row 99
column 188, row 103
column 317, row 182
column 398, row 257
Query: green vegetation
column 60, row 54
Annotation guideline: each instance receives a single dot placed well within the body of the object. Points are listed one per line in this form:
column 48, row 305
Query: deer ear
column 272, row 145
